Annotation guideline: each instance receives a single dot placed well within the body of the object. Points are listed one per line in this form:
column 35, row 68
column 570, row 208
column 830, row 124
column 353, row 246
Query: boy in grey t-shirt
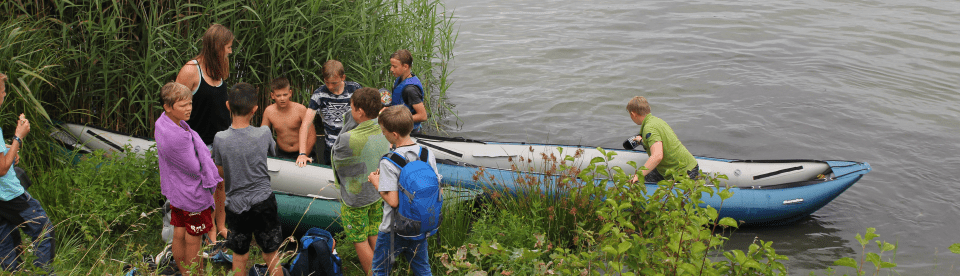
column 396, row 123
column 240, row 152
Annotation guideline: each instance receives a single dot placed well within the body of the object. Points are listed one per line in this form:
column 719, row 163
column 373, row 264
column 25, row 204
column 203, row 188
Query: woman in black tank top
column 205, row 75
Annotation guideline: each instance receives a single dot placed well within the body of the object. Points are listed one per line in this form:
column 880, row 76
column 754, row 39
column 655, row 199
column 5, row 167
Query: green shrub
column 628, row 231
column 104, row 195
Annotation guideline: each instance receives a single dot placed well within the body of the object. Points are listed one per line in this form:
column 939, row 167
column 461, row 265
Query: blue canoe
column 766, row 192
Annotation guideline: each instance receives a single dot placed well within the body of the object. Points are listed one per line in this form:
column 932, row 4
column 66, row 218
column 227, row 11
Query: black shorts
column 324, row 158
column 654, row 176
column 261, row 221
column 286, row 154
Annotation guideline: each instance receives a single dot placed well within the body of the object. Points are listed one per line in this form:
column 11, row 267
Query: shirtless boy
column 285, row 116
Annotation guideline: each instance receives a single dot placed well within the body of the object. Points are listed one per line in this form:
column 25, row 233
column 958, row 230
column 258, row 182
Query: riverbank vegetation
column 103, row 62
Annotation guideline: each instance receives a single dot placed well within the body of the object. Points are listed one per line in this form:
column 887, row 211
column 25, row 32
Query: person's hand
column 23, row 127
column 302, row 160
column 374, row 178
column 222, row 230
column 635, row 178
column 16, row 160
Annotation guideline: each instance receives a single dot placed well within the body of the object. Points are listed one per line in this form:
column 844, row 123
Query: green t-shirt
column 675, row 155
column 356, row 153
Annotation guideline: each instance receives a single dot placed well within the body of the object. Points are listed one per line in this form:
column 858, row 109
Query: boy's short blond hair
column 639, row 106
column 397, row 119
column 332, row 68
column 173, row 92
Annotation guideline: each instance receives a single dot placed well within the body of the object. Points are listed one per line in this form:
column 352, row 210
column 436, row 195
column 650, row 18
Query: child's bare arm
column 9, row 158
column 220, row 171
column 304, row 127
column 392, row 198
column 266, row 118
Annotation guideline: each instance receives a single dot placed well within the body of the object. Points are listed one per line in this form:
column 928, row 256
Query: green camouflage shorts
column 360, row 223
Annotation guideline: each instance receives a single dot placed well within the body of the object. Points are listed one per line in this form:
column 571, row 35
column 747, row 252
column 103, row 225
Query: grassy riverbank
column 106, row 210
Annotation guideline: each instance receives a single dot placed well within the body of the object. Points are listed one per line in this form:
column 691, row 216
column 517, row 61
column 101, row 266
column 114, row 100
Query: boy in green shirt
column 356, row 153
column 660, row 143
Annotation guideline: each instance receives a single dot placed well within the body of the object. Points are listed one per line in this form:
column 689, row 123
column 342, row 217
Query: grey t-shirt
column 243, row 155
column 390, row 173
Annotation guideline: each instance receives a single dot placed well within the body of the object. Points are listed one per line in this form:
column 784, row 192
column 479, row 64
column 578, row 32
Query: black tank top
column 210, row 114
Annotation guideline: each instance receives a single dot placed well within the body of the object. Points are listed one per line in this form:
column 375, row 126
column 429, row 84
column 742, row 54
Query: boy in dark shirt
column 331, row 101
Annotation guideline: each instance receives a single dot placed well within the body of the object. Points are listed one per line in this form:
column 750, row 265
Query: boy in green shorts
column 356, row 153
column 660, row 143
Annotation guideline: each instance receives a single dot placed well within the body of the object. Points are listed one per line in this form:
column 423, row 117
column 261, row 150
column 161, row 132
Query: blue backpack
column 418, row 213
column 316, row 255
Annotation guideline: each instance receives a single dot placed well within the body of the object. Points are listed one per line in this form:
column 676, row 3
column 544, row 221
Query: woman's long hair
column 212, row 54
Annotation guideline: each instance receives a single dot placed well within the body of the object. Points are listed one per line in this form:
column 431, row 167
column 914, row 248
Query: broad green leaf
column 870, row 234
column 728, row 222
column 887, row 265
column 752, row 264
column 697, row 247
column 725, row 194
column 597, row 159
column 873, row 258
column 610, row 250
column 885, row 246
column 955, row 248
column 846, row 261
column 687, row 269
column 623, row 247
column 860, row 240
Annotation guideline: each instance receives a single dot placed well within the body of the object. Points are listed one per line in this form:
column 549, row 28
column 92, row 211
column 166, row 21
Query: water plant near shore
column 624, row 229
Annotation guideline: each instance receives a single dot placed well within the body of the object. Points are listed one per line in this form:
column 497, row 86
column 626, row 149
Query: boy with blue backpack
column 408, row 182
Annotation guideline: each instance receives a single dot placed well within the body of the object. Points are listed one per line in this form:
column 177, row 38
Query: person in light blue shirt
column 19, row 210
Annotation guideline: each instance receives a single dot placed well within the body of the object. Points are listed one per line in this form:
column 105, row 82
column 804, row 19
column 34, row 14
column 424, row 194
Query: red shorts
column 196, row 223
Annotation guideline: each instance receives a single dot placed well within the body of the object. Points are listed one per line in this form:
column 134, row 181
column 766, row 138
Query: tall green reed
column 115, row 55
column 28, row 59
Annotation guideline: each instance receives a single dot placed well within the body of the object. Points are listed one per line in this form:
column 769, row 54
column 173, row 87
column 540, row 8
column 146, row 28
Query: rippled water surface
column 872, row 81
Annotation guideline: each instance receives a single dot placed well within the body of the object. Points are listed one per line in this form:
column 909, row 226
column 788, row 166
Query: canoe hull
column 766, row 206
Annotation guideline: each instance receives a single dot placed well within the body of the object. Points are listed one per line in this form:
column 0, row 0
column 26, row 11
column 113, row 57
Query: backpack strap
column 423, row 154
column 396, row 159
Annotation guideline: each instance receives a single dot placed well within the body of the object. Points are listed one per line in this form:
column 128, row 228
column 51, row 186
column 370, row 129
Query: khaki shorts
column 361, row 223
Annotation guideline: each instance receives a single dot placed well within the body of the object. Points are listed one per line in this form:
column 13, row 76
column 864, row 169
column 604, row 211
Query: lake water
column 872, row 81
